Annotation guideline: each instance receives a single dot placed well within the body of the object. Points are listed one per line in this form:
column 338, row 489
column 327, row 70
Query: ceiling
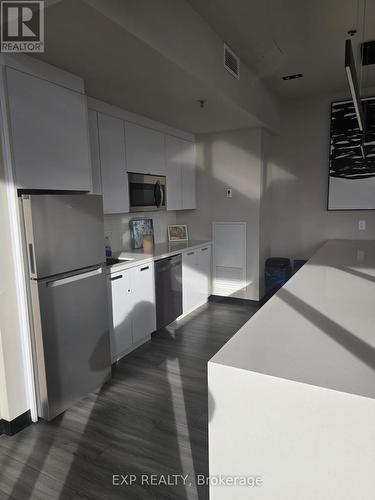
column 283, row 37
column 121, row 69
column 273, row 37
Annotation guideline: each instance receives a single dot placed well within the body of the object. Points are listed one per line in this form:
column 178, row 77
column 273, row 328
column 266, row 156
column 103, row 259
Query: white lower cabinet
column 143, row 291
column 204, row 272
column 122, row 306
column 196, row 278
column 132, row 299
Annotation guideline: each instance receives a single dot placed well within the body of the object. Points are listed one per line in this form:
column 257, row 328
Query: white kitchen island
column 292, row 394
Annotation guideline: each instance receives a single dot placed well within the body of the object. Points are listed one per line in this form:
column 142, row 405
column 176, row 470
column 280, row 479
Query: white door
column 145, row 150
column 49, row 130
column 144, row 311
column 190, row 281
column 122, row 306
column 112, row 162
column 173, row 172
column 188, row 177
column 204, row 273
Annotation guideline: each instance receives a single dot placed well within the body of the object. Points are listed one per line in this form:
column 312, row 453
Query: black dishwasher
column 168, row 280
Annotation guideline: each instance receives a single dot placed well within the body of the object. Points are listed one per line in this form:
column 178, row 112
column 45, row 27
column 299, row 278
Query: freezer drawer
column 71, row 337
column 63, row 232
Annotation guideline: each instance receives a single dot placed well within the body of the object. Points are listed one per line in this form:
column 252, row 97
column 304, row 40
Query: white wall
column 117, row 227
column 300, row 221
column 265, row 227
column 229, row 159
column 13, row 396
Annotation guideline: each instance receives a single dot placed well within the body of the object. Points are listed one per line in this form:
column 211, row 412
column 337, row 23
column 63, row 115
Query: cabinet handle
column 203, row 249
column 191, row 253
column 116, row 278
column 144, row 268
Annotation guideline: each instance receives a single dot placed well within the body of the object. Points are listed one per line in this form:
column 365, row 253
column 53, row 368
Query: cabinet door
column 190, row 282
column 112, row 163
column 173, row 171
column 188, row 177
column 204, row 273
column 49, row 129
column 121, row 300
column 145, row 151
column 144, row 311
column 95, row 155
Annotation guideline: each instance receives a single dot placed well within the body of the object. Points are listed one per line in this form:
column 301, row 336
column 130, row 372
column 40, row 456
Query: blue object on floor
column 277, row 272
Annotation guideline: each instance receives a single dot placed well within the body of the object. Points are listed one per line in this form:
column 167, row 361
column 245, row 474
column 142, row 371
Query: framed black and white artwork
column 352, row 158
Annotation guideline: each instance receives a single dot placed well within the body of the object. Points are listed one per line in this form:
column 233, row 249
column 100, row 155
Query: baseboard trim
column 15, row 425
column 233, row 300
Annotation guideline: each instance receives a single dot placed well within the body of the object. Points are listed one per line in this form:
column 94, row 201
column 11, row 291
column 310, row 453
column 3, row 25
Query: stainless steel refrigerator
column 64, row 237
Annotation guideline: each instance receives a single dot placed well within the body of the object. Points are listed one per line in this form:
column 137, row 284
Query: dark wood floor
column 151, row 418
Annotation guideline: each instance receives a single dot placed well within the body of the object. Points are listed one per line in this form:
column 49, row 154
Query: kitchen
column 143, row 206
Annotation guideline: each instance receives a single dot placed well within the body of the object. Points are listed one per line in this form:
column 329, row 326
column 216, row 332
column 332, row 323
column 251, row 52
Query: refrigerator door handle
column 76, row 277
column 31, row 258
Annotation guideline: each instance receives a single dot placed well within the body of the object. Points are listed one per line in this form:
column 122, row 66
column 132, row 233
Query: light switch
column 362, row 225
column 228, row 192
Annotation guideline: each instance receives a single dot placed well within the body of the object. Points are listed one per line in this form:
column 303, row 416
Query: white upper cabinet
column 145, row 151
column 188, row 178
column 49, row 134
column 95, row 154
column 180, row 169
column 174, row 172
column 114, row 177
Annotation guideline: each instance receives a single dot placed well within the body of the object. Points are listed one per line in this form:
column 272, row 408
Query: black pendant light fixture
column 351, row 73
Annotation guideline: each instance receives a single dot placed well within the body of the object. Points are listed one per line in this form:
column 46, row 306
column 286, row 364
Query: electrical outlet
column 228, row 192
column 362, row 225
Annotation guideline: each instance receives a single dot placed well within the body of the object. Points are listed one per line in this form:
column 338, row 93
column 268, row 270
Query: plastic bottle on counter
column 108, row 248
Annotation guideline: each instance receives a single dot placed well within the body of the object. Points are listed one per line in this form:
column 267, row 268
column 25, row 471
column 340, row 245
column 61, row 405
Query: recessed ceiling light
column 292, row 77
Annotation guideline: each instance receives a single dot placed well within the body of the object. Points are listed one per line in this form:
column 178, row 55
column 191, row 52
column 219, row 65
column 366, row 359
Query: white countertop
column 160, row 251
column 319, row 329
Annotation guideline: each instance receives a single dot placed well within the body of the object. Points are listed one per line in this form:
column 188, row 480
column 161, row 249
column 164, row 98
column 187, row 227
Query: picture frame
column 177, row 232
column 351, row 173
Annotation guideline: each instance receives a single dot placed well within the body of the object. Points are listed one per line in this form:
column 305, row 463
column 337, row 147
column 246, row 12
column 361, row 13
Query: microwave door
column 147, row 192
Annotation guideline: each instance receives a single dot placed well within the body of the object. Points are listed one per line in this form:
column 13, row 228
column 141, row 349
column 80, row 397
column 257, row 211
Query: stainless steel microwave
column 147, row 192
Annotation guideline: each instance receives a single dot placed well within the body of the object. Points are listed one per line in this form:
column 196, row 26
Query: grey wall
column 265, row 223
column 229, row 159
column 300, row 221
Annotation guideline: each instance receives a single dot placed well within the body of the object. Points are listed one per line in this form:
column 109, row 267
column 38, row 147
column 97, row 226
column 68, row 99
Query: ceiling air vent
column 231, row 62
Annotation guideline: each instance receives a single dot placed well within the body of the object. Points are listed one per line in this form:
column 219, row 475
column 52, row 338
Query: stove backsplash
column 117, row 227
